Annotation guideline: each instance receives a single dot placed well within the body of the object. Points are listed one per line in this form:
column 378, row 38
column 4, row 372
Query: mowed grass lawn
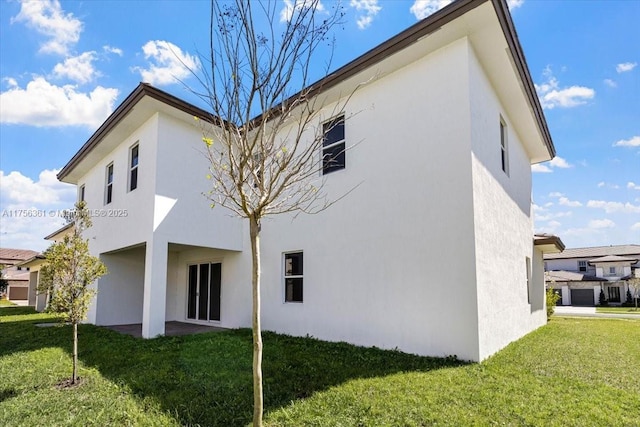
column 572, row 372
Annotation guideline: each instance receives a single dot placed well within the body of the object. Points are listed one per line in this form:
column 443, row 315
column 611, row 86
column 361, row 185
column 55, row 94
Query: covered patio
column 171, row 329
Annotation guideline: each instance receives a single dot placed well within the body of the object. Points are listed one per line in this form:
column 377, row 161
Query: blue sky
column 64, row 66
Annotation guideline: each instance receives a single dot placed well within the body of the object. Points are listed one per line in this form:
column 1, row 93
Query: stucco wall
column 391, row 265
column 503, row 225
column 119, row 299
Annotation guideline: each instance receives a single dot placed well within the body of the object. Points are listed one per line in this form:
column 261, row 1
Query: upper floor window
column 582, row 265
column 108, row 191
column 81, row 193
column 612, row 270
column 527, row 262
column 333, row 145
column 293, row 277
column 504, row 148
column 133, row 167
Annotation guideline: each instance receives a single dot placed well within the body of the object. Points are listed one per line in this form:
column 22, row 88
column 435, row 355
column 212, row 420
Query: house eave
column 548, row 243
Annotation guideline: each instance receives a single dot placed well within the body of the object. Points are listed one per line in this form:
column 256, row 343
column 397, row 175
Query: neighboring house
column 432, row 254
column 580, row 274
column 16, row 275
column 35, row 263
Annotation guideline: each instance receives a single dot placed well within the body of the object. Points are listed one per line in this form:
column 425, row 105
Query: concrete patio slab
column 170, row 329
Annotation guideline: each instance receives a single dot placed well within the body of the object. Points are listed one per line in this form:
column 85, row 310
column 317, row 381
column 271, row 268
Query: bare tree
column 273, row 163
column 634, row 286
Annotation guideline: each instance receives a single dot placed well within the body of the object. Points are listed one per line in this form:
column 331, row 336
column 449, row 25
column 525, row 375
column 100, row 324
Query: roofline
column 419, row 30
column 549, row 240
column 393, row 45
column 60, row 230
column 30, row 260
column 142, row 90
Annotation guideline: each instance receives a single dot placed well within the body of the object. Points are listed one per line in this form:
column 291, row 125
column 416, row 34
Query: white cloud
column 551, row 95
column 610, row 83
column 601, row 223
column 48, row 18
column 601, row 184
column 608, row 185
column 633, row 186
column 513, row 4
column 31, row 209
column 168, row 63
column 423, row 8
column 111, row 49
column 566, row 202
column 556, row 162
column 555, row 194
column 626, row 66
column 613, row 207
column 79, row 68
column 369, row 9
column 10, row 81
column 540, row 168
column 636, row 226
column 634, row 141
column 42, row 104
column 559, row 162
column 289, row 7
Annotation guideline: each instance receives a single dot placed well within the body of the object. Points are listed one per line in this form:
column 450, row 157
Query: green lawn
column 5, row 302
column 618, row 310
column 573, row 372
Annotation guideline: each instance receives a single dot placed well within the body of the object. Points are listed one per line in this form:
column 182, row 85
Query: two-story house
column 432, row 254
column 579, row 274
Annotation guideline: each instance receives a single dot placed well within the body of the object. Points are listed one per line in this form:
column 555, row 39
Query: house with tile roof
column 433, row 253
column 580, row 275
column 16, row 275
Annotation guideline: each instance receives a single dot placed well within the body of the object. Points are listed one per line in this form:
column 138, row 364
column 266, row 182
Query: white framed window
column 108, row 190
column 81, row 193
column 527, row 262
column 504, row 147
column 582, row 266
column 612, row 271
column 293, row 277
column 134, row 154
column 333, row 145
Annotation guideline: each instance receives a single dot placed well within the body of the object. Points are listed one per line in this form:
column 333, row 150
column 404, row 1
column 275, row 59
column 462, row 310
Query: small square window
column 333, row 146
column 293, row 276
column 582, row 266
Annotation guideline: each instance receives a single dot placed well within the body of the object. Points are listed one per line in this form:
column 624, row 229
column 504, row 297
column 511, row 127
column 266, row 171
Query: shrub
column 603, row 300
column 552, row 299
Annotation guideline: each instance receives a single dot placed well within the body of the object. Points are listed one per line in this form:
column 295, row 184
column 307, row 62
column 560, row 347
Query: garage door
column 18, row 292
column 582, row 297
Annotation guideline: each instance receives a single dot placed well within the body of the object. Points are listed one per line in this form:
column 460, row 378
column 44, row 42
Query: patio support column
column 155, row 288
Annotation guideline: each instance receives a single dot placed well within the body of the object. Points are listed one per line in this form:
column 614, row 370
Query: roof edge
column 549, row 239
column 142, row 90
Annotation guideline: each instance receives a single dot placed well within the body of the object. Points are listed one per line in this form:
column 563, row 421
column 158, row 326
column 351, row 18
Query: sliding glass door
column 203, row 299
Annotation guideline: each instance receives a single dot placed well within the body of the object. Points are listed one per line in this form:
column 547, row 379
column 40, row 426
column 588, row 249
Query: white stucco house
column 433, row 253
column 579, row 274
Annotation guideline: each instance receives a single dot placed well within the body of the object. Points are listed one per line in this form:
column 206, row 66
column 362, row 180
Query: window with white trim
column 133, row 167
column 293, row 276
column 108, row 191
column 582, row 266
column 81, row 193
column 527, row 261
column 504, row 147
column 333, row 146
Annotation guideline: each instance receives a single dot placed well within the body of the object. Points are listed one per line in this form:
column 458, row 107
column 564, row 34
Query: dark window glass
column 203, row 312
column 214, row 296
column 333, row 153
column 293, row 289
column 133, row 181
column 134, row 156
column 193, row 289
column 82, row 193
column 293, row 281
column 109, row 184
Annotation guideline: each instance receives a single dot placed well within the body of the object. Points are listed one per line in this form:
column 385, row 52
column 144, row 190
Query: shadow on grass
column 206, row 378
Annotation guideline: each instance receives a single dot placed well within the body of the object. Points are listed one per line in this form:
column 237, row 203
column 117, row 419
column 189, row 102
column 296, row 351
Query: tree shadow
column 206, row 379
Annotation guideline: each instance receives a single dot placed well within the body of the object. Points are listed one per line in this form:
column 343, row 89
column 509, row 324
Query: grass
column 5, row 303
column 618, row 310
column 572, row 372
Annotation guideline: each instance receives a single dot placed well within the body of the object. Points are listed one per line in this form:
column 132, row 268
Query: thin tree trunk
column 254, row 231
column 75, row 353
